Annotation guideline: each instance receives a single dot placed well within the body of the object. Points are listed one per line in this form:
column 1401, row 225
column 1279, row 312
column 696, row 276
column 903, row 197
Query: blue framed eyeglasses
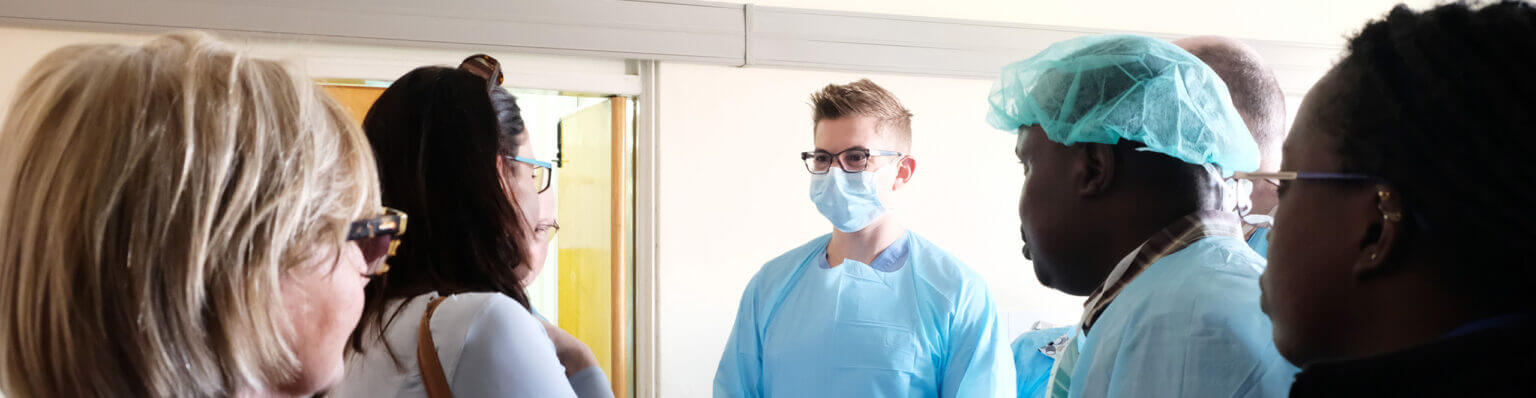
column 1306, row 175
column 543, row 172
column 1381, row 191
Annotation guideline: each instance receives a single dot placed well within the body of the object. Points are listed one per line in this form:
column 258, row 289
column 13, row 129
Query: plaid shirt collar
column 1175, row 237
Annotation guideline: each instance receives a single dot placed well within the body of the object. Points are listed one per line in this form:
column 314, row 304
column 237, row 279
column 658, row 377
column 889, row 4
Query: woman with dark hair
column 451, row 317
column 1399, row 265
column 537, row 210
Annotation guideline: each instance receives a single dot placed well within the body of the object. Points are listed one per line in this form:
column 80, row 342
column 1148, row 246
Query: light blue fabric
column 890, row 260
column 1187, row 326
column 1260, row 242
column 1032, row 366
column 1060, row 383
column 927, row 328
column 488, row 344
column 1105, row 88
column 849, row 200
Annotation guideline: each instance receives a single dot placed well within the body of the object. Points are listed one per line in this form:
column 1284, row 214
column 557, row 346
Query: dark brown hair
column 436, row 138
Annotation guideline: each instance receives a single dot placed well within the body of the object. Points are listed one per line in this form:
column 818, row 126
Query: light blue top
column 1187, row 326
column 1107, row 88
column 489, row 346
column 1260, row 242
column 915, row 323
column 1034, row 366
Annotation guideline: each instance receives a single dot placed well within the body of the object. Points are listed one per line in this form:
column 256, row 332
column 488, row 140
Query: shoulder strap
column 432, row 376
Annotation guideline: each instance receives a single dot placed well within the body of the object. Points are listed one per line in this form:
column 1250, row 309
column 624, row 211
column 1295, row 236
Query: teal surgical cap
column 1103, row 89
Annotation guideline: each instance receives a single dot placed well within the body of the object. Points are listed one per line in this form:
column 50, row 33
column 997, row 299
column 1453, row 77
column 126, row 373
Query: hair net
column 1106, row 88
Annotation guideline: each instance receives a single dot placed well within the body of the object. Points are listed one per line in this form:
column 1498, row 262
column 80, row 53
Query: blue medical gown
column 1033, row 366
column 1260, row 242
column 1187, row 326
column 926, row 329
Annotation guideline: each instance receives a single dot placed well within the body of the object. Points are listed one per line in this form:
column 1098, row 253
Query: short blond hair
column 159, row 195
column 865, row 98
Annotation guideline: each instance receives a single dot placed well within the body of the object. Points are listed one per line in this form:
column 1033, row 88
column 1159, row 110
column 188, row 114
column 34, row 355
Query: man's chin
column 1044, row 278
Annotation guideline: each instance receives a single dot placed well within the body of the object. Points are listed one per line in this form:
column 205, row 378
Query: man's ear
column 1094, row 169
column 1382, row 236
column 908, row 167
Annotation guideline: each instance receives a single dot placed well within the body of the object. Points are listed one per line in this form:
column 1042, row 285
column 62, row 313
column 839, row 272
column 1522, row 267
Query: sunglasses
column 378, row 237
column 484, row 66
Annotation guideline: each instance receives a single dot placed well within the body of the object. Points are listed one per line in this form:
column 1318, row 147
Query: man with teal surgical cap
column 1127, row 143
column 870, row 310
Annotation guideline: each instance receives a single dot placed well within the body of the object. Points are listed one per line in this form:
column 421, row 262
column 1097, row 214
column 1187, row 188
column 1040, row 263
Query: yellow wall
column 585, row 216
column 357, row 100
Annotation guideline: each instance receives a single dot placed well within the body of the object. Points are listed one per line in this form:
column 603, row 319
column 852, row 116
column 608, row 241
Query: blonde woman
column 184, row 221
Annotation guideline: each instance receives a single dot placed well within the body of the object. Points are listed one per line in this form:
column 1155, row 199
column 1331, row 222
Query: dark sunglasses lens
column 375, row 251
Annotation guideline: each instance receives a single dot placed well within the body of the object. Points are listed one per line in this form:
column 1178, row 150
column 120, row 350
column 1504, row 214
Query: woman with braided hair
column 1397, row 267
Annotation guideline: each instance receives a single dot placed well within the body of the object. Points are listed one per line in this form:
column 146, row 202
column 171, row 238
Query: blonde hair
column 159, row 195
column 864, row 98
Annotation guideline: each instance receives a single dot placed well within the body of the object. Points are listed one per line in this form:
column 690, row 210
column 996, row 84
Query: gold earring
column 1373, row 256
column 1383, row 194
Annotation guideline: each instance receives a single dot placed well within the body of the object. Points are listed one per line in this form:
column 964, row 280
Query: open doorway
column 587, row 286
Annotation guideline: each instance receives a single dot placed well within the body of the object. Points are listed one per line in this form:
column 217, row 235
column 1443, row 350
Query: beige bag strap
column 432, row 376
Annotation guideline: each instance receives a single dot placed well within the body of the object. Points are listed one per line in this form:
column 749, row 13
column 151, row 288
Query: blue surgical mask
column 849, row 200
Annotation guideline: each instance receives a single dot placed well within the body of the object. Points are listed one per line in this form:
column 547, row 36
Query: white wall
column 1322, row 23
column 734, row 194
column 1312, row 21
column 24, row 46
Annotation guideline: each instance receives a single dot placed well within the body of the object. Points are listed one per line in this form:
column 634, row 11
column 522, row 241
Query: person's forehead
column 836, row 135
column 1024, row 141
column 1313, row 131
column 1018, row 142
column 1309, row 147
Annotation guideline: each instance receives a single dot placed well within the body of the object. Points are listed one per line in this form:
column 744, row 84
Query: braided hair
column 1442, row 105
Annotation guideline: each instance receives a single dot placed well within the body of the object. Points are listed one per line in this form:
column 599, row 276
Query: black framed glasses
column 378, row 237
column 543, row 172
column 852, row 160
column 486, row 67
